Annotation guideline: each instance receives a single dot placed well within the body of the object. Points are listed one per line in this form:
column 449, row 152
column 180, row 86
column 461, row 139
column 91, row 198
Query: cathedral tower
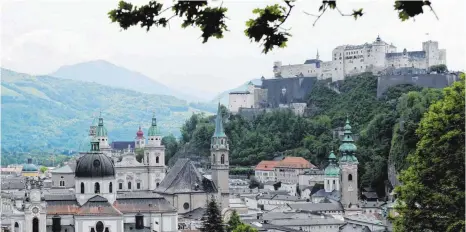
column 154, row 155
column 102, row 137
column 219, row 159
column 349, row 169
column 332, row 174
column 139, row 141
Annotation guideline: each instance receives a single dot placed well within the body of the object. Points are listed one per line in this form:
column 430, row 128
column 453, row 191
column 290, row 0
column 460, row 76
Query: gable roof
column 185, row 178
column 266, row 165
column 294, row 162
column 98, row 206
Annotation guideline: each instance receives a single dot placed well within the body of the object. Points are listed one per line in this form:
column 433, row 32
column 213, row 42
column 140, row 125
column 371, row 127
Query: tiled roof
column 98, row 206
column 66, row 207
column 266, row 165
column 294, row 162
column 185, row 178
column 143, row 205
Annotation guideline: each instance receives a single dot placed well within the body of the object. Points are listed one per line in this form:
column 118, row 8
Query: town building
column 93, row 205
column 265, row 172
column 350, row 60
column 289, row 169
column 253, row 97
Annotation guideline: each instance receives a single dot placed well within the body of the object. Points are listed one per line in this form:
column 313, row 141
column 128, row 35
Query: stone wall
column 422, row 80
column 296, row 90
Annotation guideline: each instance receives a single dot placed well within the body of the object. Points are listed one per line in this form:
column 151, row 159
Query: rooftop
column 266, row 165
column 295, row 162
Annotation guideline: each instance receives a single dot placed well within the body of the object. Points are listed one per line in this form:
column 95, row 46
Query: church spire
column 101, row 130
column 219, row 132
column 153, row 130
column 348, row 148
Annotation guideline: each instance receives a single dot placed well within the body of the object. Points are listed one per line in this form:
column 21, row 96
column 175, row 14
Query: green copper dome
column 349, row 158
column 332, row 169
column 347, row 147
column 153, row 129
column 30, row 167
column 101, row 130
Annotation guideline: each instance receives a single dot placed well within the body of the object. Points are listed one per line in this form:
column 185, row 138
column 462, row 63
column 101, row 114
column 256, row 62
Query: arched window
column 333, row 182
column 139, row 221
column 157, row 159
column 99, row 226
column 129, row 185
column 110, row 187
column 16, row 225
column 222, row 159
column 96, row 187
column 92, row 230
column 157, row 185
column 350, row 177
column 213, row 158
column 35, row 225
column 106, row 229
column 82, row 187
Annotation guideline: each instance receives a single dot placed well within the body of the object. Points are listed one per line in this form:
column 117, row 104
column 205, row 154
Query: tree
column 139, row 154
column 171, row 145
column 234, row 222
column 441, row 68
column 266, row 28
column 433, row 192
column 43, row 169
column 245, row 228
column 212, row 220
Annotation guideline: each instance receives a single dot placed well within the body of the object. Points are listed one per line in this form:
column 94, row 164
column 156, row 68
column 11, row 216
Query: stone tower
column 332, row 174
column 102, row 137
column 154, row 155
column 219, row 159
column 139, row 141
column 349, row 169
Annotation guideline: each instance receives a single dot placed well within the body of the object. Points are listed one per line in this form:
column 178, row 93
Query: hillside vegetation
column 54, row 114
column 376, row 122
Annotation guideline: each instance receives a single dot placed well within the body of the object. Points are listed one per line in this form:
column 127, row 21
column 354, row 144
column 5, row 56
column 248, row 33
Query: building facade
column 355, row 59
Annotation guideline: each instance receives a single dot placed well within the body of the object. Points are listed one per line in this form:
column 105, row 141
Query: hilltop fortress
column 348, row 60
column 292, row 83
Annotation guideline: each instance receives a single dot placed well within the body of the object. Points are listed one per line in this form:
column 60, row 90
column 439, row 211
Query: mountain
column 224, row 96
column 43, row 112
column 105, row 73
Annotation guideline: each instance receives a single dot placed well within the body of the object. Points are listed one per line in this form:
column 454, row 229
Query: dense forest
column 385, row 128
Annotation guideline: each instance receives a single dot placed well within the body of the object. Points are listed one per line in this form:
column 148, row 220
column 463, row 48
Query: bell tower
column 349, row 169
column 102, row 137
column 154, row 155
column 219, row 151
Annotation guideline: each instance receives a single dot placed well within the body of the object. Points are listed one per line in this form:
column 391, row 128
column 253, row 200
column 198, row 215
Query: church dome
column 140, row 133
column 347, row 147
column 95, row 165
column 30, row 167
column 332, row 170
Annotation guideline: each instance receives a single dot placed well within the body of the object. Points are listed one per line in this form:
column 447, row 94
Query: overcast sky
column 38, row 37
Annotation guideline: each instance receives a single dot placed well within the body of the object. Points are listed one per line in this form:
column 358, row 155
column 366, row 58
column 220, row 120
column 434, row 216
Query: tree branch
column 290, row 7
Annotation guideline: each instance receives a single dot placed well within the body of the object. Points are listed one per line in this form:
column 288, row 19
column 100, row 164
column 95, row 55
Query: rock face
column 287, row 90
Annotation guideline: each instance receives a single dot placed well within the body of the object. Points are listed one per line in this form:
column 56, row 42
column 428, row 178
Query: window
column 99, row 226
column 62, row 183
column 82, row 187
column 350, row 177
column 222, row 158
column 129, row 185
column 333, row 182
column 110, row 187
column 213, row 158
column 106, row 229
column 96, row 187
column 157, row 159
column 157, row 185
column 120, row 185
column 186, row 205
column 138, row 185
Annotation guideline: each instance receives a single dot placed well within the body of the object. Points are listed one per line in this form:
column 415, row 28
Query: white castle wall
column 349, row 60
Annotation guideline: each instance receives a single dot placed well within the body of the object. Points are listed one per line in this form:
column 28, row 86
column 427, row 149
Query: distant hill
column 224, row 96
column 105, row 73
column 43, row 112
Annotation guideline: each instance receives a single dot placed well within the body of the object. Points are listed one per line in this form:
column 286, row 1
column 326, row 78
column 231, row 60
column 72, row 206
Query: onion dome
column 101, row 130
column 153, row 129
column 348, row 148
column 95, row 164
column 140, row 133
column 30, row 167
column 332, row 169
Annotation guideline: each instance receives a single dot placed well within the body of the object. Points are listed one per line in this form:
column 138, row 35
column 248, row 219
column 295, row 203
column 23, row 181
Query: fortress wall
column 297, row 89
column 422, row 80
